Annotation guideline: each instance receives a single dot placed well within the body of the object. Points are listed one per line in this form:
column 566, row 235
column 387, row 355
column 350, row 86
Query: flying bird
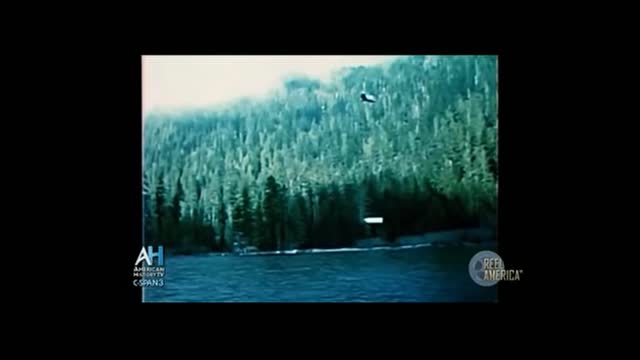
column 367, row 98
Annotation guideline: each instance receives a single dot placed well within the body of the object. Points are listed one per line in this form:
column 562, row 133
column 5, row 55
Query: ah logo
column 147, row 255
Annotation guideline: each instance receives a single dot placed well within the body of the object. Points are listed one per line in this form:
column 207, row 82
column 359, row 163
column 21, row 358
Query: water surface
column 426, row 274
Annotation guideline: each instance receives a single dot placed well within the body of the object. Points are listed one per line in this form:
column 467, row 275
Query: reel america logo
column 486, row 268
column 149, row 275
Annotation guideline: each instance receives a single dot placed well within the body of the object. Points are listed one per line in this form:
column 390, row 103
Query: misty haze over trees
column 302, row 168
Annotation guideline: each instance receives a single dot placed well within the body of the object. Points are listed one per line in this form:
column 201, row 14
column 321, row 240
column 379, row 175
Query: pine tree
column 272, row 213
column 238, row 215
column 175, row 211
column 147, row 213
column 259, row 238
column 221, row 216
column 159, row 228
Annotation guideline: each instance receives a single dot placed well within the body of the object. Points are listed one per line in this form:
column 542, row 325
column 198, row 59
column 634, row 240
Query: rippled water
column 410, row 275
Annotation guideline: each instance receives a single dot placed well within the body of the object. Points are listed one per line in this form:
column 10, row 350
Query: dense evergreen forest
column 302, row 168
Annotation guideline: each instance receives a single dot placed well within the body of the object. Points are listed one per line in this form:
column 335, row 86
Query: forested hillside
column 302, row 168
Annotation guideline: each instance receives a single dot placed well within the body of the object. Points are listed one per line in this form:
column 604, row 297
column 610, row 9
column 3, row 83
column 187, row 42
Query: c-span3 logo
column 149, row 274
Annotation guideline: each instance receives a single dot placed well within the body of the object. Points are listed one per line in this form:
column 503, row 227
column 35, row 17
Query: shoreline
column 470, row 237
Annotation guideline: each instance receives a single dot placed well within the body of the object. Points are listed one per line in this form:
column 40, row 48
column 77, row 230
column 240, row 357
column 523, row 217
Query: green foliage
column 303, row 168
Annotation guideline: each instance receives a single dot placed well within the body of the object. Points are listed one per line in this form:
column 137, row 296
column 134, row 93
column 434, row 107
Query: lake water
column 427, row 274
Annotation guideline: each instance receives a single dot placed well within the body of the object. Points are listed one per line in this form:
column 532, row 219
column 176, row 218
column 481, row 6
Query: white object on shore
column 373, row 220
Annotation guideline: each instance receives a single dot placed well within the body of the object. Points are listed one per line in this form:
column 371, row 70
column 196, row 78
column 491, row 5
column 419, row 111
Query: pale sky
column 178, row 82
